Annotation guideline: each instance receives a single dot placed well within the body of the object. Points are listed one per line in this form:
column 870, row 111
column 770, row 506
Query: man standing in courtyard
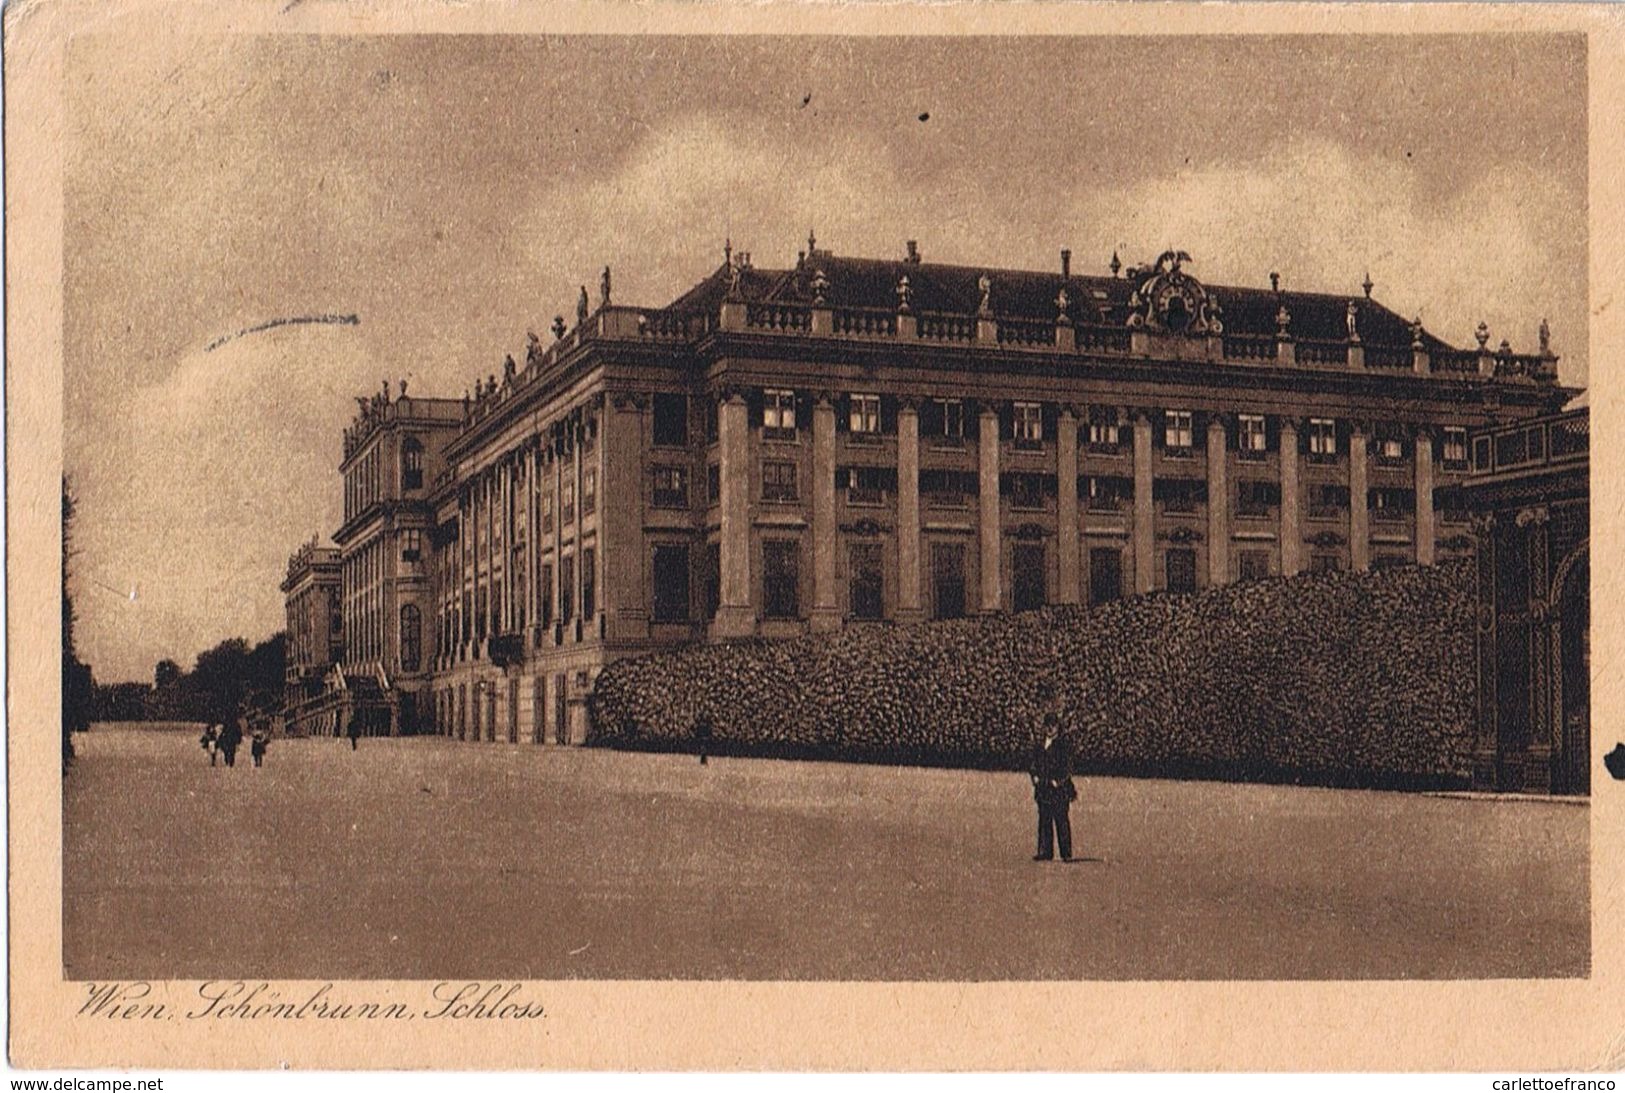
column 1053, row 790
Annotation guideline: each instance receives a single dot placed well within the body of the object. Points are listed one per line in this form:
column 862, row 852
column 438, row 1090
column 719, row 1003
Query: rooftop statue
column 1545, row 339
column 603, row 286
column 581, row 306
column 984, row 284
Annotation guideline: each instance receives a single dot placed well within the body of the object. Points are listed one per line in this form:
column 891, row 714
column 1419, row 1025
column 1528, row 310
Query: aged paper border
column 1449, row 1025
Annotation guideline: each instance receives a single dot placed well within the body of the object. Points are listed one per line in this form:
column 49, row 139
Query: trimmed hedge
column 1338, row 678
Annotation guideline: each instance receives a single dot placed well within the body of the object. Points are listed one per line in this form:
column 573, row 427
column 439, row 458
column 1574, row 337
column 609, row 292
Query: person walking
column 231, row 737
column 702, row 737
column 209, row 739
column 1053, row 790
column 354, row 731
column 261, row 741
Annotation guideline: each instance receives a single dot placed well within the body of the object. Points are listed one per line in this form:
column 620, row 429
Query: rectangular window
column 547, row 512
column 1179, row 565
column 1105, row 574
column 781, row 579
column 670, row 487
column 867, row 582
column 1390, row 447
column 779, row 414
column 1481, row 453
column 948, row 580
column 713, row 484
column 1253, row 565
column 866, row 485
column 1327, row 501
column 1256, row 498
column 589, row 582
column 1251, row 439
column 1027, row 425
column 545, row 608
column 1389, row 561
column 1322, row 439
column 1451, row 505
column 953, row 419
column 412, row 545
column 1455, row 448
column 1178, row 432
column 779, row 481
column 1028, row 491
column 947, row 489
column 412, row 464
column 1103, row 429
column 713, row 421
column 567, row 589
column 1325, row 563
column 670, row 420
column 1027, row 578
column 671, row 583
column 713, row 579
column 589, row 492
column 1390, row 503
column 1106, row 493
column 1179, row 495
column 863, row 417
column 567, row 498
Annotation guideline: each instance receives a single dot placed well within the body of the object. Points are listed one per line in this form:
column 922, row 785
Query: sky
column 452, row 192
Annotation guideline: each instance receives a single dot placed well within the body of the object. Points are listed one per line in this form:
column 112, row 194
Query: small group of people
column 222, row 739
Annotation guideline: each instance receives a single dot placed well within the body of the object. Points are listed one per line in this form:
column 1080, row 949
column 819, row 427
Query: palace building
column 861, row 442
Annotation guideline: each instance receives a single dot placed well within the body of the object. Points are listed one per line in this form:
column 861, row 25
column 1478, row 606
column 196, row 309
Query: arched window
column 411, row 637
column 411, row 464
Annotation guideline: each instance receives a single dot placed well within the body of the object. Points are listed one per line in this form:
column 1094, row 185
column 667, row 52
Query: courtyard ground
column 426, row 858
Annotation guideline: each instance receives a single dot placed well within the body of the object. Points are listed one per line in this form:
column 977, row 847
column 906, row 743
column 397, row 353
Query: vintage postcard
column 702, row 536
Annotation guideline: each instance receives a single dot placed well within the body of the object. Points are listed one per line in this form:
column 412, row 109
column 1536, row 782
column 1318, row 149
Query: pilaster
column 1425, row 527
column 1218, row 507
column 987, row 447
column 1291, row 502
column 1359, row 512
column 908, row 513
column 1145, row 570
column 735, row 616
column 1066, row 503
column 826, row 612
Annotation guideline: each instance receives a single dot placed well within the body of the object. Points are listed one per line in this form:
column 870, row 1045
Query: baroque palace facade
column 872, row 442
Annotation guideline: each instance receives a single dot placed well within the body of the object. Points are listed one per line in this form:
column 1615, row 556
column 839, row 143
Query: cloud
column 1320, row 214
column 222, row 470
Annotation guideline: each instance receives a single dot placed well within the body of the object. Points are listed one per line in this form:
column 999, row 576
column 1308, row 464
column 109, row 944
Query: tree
column 166, row 674
column 78, row 685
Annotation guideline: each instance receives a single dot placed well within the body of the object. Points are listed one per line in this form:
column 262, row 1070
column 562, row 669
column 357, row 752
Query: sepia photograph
column 1042, row 507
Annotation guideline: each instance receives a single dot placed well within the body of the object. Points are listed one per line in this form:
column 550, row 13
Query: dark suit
column 1054, row 791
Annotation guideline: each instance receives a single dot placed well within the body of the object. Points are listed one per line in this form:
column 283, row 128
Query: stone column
column 826, row 611
column 990, row 537
column 1066, row 503
column 1218, row 506
column 578, row 438
column 735, row 617
column 557, row 443
column 1145, row 548
column 620, row 517
column 1359, row 514
column 533, row 524
column 1291, row 502
column 505, row 506
column 1425, row 530
column 908, row 513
